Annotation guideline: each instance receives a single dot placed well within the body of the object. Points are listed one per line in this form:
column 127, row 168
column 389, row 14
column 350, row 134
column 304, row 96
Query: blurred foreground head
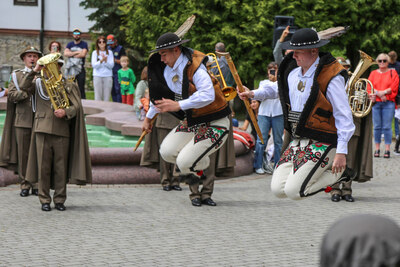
column 362, row 240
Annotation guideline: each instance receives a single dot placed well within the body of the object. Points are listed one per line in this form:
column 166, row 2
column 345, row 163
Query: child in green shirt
column 126, row 78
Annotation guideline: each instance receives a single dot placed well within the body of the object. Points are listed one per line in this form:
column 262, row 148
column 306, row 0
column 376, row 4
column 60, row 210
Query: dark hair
column 272, row 65
column 143, row 76
column 58, row 43
column 101, row 37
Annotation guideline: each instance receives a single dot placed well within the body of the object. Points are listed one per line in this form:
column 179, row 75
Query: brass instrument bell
column 53, row 81
column 228, row 91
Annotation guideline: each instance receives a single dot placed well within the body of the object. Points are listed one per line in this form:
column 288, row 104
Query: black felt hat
column 304, row 39
column 168, row 40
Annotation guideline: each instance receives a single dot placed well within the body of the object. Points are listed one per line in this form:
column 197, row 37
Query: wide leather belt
column 293, row 118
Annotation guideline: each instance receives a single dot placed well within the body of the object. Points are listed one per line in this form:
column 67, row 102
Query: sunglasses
column 382, row 60
column 101, row 42
column 77, row 33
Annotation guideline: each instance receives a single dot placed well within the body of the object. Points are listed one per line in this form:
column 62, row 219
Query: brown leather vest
column 219, row 104
column 316, row 120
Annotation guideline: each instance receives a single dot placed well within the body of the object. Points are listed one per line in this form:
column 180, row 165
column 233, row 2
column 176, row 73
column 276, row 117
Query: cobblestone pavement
column 145, row 226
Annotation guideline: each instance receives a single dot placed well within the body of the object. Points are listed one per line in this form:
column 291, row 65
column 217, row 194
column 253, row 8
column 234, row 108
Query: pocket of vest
column 323, row 113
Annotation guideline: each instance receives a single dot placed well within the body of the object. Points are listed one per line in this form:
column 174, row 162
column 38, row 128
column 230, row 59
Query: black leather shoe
column 335, row 197
column 46, row 207
column 35, row 192
column 166, row 188
column 176, row 187
column 196, row 202
column 209, row 202
column 348, row 198
column 60, row 206
column 24, row 193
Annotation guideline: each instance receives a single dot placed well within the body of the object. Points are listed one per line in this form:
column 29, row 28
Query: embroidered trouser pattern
column 304, row 169
column 189, row 147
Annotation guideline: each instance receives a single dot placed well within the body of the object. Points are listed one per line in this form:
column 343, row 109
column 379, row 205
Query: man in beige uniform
column 18, row 125
column 60, row 149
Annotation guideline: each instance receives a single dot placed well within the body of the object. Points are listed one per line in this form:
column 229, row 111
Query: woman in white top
column 102, row 63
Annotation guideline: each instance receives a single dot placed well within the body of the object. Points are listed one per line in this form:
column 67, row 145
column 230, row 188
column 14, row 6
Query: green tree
column 107, row 17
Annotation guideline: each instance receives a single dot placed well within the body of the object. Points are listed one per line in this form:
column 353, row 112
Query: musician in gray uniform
column 18, row 124
column 59, row 152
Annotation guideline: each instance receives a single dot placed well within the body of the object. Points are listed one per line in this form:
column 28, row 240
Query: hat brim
column 286, row 45
column 170, row 46
column 23, row 54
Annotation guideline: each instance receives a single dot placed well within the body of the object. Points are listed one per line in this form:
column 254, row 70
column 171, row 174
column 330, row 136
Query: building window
column 26, row 2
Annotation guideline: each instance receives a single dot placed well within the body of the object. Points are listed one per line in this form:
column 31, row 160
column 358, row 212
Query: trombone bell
column 228, row 91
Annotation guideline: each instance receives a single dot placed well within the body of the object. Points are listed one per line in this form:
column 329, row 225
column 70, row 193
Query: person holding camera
column 270, row 115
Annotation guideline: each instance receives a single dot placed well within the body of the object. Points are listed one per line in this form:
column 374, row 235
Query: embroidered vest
column 158, row 88
column 316, row 120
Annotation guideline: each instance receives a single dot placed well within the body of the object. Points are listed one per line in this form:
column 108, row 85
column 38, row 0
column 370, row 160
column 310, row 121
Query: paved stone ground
column 145, row 226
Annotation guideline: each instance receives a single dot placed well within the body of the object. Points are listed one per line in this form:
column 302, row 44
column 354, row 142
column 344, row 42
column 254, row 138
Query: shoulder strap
column 14, row 77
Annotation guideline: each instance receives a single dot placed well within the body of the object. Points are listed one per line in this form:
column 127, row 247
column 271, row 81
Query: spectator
column 254, row 105
column 54, row 47
column 278, row 57
column 76, row 52
column 118, row 51
column 361, row 240
column 141, row 87
column 102, row 63
column 386, row 84
column 126, row 79
column 144, row 104
column 394, row 64
column 270, row 115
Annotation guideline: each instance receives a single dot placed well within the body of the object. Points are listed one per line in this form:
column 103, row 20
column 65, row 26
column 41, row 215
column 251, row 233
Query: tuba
column 53, row 81
column 228, row 91
column 357, row 93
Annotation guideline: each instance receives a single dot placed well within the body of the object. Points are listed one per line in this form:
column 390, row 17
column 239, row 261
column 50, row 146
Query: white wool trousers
column 304, row 169
column 189, row 147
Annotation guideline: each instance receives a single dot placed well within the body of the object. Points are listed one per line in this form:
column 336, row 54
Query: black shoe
column 335, row 197
column 176, row 187
column 196, row 202
column 209, row 202
column 166, row 188
column 60, row 206
column 348, row 198
column 46, row 207
column 35, row 192
column 24, row 193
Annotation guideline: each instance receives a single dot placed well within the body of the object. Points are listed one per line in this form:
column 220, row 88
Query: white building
column 21, row 24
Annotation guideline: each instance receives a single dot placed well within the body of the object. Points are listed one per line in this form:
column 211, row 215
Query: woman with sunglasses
column 386, row 84
column 102, row 63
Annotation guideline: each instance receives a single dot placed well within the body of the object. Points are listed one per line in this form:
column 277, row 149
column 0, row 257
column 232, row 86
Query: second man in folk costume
column 179, row 83
column 317, row 115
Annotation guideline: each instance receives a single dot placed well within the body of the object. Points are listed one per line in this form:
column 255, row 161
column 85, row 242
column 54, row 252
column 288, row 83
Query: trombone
column 228, row 91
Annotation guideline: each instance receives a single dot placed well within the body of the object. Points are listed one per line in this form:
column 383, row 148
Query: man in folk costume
column 179, row 83
column 317, row 114
column 59, row 150
column 16, row 137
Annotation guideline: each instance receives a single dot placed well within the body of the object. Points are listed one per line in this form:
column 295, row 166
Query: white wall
column 56, row 16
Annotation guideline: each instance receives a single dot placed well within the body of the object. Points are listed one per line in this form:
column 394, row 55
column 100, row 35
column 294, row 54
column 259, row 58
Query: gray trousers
column 102, row 88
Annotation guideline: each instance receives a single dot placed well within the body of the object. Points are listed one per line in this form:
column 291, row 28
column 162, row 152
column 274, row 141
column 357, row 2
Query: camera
column 272, row 72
